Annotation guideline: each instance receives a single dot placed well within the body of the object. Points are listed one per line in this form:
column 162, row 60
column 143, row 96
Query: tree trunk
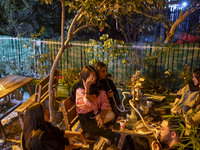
column 180, row 19
column 55, row 63
column 60, row 52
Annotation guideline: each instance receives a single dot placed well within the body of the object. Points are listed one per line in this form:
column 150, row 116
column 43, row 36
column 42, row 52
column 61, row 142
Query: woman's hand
column 110, row 93
column 89, row 81
column 174, row 109
column 99, row 121
column 72, row 146
column 100, row 118
column 78, row 145
column 176, row 101
column 82, row 138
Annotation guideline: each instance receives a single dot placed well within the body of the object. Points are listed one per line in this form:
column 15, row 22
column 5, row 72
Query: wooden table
column 126, row 131
column 8, row 85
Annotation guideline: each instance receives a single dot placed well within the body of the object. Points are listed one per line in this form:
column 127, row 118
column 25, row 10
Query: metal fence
column 24, row 56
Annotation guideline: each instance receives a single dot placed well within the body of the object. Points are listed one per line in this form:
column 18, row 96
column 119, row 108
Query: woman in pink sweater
column 92, row 104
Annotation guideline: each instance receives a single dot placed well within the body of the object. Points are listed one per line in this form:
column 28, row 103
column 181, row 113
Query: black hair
column 197, row 74
column 34, row 120
column 85, row 73
column 98, row 66
column 174, row 123
column 193, row 87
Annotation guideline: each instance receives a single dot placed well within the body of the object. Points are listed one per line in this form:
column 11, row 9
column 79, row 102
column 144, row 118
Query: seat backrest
column 70, row 116
column 42, row 88
column 69, row 113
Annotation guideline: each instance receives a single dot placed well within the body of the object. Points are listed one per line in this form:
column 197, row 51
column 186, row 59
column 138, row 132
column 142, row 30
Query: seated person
column 39, row 134
column 187, row 94
column 192, row 109
column 91, row 100
column 169, row 135
column 192, row 116
column 109, row 86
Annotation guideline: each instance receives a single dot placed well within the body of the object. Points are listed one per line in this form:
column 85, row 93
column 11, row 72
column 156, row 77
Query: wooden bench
column 41, row 94
column 71, row 121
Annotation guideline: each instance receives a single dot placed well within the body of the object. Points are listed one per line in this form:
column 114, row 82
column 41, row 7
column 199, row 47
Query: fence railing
column 23, row 56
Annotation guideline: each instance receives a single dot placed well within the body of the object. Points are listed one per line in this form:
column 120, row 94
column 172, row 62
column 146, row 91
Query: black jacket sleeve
column 54, row 140
column 114, row 89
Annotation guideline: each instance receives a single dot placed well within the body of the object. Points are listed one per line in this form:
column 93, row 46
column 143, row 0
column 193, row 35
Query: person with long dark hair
column 108, row 85
column 187, row 95
column 192, row 109
column 92, row 104
column 39, row 134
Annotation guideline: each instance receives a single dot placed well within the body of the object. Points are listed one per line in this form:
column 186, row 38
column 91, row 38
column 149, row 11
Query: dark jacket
column 44, row 140
column 112, row 87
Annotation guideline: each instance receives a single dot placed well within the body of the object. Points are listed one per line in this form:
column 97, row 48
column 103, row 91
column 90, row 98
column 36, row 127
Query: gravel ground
column 12, row 127
column 13, row 132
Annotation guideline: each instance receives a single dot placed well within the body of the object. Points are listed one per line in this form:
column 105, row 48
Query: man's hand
column 155, row 145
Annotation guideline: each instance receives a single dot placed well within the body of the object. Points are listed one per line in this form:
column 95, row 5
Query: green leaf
column 87, row 4
column 42, row 29
column 80, row 17
column 67, row 3
column 41, row 1
column 47, row 1
column 70, row 9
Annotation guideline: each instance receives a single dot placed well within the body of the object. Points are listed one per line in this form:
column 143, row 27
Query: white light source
column 184, row 4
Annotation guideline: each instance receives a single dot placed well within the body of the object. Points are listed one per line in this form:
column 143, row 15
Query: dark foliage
column 23, row 17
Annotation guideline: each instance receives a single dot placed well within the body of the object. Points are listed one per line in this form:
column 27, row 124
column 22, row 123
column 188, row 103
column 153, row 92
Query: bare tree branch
column 61, row 50
column 79, row 29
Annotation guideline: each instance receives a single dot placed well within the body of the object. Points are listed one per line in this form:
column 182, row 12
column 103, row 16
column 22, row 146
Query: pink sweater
column 83, row 105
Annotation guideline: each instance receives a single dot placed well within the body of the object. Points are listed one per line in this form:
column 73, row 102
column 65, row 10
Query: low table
column 125, row 132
